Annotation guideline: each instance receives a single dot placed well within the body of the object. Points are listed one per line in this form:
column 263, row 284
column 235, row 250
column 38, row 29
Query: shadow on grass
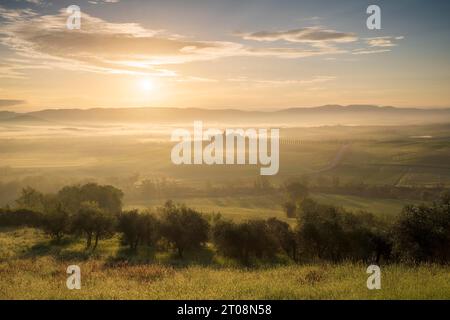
column 58, row 249
column 73, row 249
column 125, row 255
column 202, row 256
column 150, row 255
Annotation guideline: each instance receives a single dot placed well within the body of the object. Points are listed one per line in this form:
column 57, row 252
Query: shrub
column 20, row 218
column 296, row 190
column 183, row 227
column 56, row 222
column 31, row 199
column 108, row 198
column 284, row 236
column 94, row 223
column 290, row 208
column 331, row 233
column 423, row 233
column 244, row 240
column 138, row 228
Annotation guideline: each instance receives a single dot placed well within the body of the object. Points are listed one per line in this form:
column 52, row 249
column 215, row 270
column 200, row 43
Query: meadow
column 47, row 158
column 31, row 267
column 239, row 208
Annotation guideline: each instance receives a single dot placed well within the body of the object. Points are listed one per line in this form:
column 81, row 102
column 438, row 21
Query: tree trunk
column 136, row 243
column 96, row 241
column 89, row 240
column 294, row 253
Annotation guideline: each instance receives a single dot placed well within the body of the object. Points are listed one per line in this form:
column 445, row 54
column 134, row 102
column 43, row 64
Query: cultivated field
column 32, row 266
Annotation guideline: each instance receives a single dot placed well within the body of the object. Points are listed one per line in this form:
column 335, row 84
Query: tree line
column 138, row 189
column 317, row 232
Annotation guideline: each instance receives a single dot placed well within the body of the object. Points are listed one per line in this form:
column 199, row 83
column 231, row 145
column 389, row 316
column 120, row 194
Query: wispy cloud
column 10, row 103
column 318, row 41
column 129, row 48
column 101, row 46
column 369, row 51
column 302, row 35
column 36, row 2
column 283, row 82
column 12, row 68
column 378, row 45
column 103, row 1
column 383, row 41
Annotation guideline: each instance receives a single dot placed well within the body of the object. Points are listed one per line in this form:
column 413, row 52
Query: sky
column 244, row 54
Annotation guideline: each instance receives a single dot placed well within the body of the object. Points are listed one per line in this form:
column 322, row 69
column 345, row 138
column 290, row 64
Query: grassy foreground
column 32, row 268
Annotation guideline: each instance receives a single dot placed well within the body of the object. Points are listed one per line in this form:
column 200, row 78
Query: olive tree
column 183, row 227
column 94, row 223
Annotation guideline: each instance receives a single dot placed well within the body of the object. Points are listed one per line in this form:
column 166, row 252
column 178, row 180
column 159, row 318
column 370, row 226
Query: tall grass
column 32, row 267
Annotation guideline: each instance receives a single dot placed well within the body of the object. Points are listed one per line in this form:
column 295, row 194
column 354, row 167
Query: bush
column 56, row 223
column 244, row 240
column 31, row 199
column 93, row 223
column 423, row 233
column 331, row 233
column 296, row 190
column 290, row 208
column 138, row 228
column 183, row 227
column 20, row 218
column 108, row 198
column 284, row 236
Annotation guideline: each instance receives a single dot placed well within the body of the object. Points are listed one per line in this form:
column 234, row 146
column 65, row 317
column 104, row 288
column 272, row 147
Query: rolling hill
column 313, row 116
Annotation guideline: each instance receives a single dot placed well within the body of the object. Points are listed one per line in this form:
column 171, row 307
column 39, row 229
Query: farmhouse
column 231, row 146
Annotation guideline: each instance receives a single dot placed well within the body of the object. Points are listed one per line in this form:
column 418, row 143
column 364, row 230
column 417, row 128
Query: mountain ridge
column 321, row 115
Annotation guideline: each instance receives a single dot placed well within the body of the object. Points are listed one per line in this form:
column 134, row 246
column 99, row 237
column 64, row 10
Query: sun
column 146, row 85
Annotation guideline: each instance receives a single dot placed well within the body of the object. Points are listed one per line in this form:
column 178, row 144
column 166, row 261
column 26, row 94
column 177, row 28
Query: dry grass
column 33, row 268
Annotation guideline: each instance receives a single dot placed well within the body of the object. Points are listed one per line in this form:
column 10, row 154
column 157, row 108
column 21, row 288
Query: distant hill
column 23, row 119
column 7, row 115
column 314, row 116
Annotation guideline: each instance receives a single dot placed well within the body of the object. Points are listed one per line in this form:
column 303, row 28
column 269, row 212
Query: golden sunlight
column 147, row 85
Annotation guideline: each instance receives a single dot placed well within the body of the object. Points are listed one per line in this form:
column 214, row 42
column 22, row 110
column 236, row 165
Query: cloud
column 36, row 2
column 103, row 1
column 13, row 68
column 293, row 53
column 302, row 35
column 369, row 51
column 9, row 71
column 10, row 103
column 383, row 42
column 282, row 82
column 102, row 46
column 129, row 48
column 378, row 45
column 195, row 79
column 318, row 40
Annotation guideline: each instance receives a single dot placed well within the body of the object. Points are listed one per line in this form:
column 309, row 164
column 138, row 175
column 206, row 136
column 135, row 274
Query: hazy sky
column 247, row 54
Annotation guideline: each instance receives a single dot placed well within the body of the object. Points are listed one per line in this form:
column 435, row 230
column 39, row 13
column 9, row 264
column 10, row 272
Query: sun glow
column 146, row 85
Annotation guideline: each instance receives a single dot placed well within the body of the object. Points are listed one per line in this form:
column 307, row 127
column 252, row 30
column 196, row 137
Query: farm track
column 343, row 150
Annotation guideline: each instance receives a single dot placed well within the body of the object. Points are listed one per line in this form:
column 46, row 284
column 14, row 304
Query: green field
column 381, row 207
column 33, row 268
column 376, row 155
column 239, row 208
